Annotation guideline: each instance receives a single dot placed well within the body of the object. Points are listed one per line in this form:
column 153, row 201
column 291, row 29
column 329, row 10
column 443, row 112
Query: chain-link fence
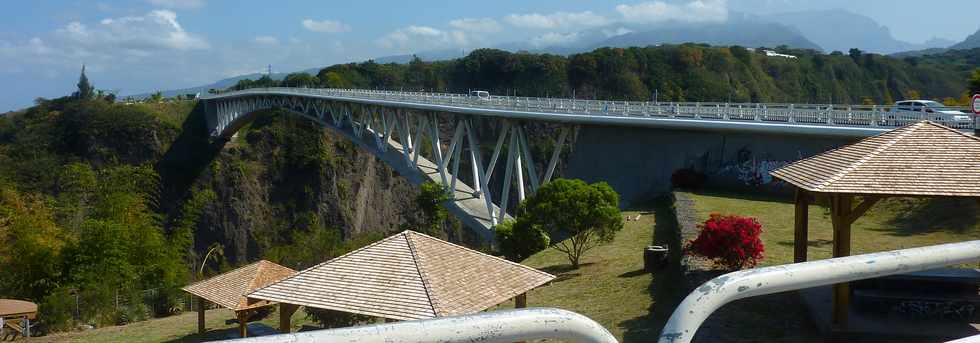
column 136, row 306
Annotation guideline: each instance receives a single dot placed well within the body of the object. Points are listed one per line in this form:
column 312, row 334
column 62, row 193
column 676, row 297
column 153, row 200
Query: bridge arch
column 420, row 145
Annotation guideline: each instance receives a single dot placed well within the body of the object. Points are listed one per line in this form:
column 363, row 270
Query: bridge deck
column 474, row 208
column 805, row 119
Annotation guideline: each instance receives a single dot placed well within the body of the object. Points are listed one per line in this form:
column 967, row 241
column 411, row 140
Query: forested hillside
column 101, row 201
column 687, row 72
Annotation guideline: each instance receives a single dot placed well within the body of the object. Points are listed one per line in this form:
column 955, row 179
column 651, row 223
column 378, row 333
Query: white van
column 482, row 95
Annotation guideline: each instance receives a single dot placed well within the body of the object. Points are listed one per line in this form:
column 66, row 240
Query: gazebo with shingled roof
column 924, row 159
column 407, row 276
column 228, row 290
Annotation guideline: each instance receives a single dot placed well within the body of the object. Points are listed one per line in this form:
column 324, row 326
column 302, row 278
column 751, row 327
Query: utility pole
column 269, row 71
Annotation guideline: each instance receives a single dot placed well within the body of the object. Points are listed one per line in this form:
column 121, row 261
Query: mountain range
column 839, row 30
column 827, row 31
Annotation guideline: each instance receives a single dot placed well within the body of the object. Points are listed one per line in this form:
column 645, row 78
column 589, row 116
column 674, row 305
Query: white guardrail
column 488, row 327
column 807, row 114
column 711, row 295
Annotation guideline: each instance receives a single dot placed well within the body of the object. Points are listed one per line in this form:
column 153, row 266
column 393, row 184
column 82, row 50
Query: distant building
column 771, row 53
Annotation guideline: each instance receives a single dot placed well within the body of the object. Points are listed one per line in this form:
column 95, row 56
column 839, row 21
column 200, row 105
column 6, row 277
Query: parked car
column 931, row 110
column 482, row 95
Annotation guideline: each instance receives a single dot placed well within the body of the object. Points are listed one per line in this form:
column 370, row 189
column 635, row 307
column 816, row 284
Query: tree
column 975, row 82
column 855, row 54
column 85, row 90
column 303, row 80
column 430, row 200
column 912, row 94
column 519, row 241
column 155, row 97
column 576, row 216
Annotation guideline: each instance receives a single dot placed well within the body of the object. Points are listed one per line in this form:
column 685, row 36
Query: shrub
column 57, row 310
column 336, row 319
column 729, row 241
column 687, row 178
column 518, row 241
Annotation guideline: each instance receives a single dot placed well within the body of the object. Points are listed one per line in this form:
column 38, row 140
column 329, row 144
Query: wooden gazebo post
column 842, row 215
column 801, row 222
column 200, row 315
column 285, row 316
column 242, row 324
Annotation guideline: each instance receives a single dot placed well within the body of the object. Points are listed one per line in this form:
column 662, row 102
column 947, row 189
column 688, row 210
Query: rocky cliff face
column 283, row 173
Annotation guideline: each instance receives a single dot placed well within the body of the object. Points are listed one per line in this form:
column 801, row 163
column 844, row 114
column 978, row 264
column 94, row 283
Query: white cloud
column 325, row 26
column 418, row 38
column 557, row 20
column 482, row 25
column 156, row 30
column 178, row 4
column 617, row 32
column 266, row 40
column 554, row 39
column 697, row 11
column 156, row 38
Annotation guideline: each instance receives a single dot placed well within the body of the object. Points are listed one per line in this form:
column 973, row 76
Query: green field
column 891, row 224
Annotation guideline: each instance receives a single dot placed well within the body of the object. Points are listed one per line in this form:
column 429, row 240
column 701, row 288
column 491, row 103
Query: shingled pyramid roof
column 407, row 276
column 921, row 159
column 229, row 289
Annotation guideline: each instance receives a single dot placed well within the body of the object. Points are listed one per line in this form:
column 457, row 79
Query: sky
column 139, row 46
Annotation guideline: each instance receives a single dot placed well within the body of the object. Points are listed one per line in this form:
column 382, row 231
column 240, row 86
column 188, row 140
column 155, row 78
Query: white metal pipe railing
column 488, row 327
column 711, row 295
column 971, row 339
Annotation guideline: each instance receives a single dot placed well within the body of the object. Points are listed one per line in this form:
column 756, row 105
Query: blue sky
column 145, row 45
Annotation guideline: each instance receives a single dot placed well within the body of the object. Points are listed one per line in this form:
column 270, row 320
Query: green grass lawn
column 179, row 328
column 610, row 287
column 891, row 224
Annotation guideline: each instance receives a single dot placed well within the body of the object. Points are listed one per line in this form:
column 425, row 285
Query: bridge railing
column 813, row 114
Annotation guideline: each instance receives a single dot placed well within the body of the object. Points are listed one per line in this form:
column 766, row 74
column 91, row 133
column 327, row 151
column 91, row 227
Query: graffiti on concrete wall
column 754, row 170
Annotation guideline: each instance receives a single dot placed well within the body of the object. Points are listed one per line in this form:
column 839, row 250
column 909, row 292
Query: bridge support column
column 508, row 168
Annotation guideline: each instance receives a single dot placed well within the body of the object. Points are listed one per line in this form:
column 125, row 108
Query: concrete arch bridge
column 635, row 146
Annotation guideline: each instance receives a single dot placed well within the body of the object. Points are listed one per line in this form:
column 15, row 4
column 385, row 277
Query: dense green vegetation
column 77, row 210
column 688, row 72
column 571, row 215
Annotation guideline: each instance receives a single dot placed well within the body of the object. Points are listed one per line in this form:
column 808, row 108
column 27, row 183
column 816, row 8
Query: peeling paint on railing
column 488, row 327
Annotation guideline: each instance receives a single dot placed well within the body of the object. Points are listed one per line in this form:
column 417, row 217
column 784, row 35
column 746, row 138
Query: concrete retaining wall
column 638, row 162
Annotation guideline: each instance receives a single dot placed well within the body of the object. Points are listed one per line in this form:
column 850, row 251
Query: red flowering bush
column 730, row 241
